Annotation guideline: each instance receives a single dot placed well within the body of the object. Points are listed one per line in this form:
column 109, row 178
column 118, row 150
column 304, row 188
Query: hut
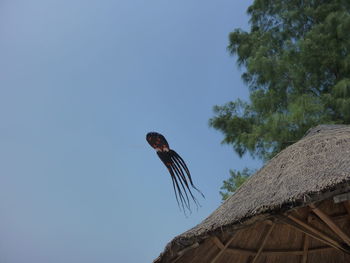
column 294, row 209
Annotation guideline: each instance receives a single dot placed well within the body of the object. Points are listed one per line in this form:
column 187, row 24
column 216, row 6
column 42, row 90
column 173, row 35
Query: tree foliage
column 297, row 67
column 296, row 58
column 236, row 179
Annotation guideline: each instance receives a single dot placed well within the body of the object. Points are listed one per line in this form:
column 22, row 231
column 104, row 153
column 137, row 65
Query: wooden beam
column 286, row 252
column 319, row 249
column 305, row 249
column 263, row 242
column 340, row 217
column 274, row 252
column 222, row 250
column 306, row 244
column 330, row 223
column 315, row 233
column 335, row 218
column 217, row 242
column 241, row 251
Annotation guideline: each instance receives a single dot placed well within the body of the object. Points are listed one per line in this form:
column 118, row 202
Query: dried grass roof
column 312, row 169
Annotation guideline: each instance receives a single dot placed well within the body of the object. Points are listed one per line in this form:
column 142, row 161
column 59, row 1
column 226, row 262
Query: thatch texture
column 313, row 169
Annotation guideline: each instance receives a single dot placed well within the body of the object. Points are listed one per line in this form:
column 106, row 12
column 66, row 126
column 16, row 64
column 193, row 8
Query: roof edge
column 178, row 246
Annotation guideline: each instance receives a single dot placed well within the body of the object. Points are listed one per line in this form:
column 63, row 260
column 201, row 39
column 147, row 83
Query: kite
column 180, row 174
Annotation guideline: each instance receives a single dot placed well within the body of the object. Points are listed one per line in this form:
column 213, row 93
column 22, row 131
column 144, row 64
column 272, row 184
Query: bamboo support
column 222, row 250
column 305, row 245
column 263, row 242
column 317, row 233
column 275, row 252
column 330, row 223
column 217, row 242
column 341, row 217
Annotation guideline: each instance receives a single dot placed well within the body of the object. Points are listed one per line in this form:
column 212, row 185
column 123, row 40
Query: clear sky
column 81, row 83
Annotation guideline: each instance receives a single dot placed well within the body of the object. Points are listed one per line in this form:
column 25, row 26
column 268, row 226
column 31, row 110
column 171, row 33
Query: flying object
column 179, row 172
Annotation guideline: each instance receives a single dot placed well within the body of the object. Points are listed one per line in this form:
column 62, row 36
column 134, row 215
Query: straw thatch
column 272, row 214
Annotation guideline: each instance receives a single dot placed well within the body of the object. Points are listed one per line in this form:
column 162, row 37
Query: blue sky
column 81, row 83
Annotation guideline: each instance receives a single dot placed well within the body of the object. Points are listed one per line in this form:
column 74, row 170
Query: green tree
column 236, row 179
column 296, row 59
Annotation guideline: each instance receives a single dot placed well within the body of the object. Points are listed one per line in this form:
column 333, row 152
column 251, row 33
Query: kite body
column 180, row 174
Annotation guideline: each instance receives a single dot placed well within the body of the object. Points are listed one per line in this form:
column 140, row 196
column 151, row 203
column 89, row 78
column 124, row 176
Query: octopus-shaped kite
column 177, row 169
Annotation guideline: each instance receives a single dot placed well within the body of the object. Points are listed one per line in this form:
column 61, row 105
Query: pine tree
column 296, row 58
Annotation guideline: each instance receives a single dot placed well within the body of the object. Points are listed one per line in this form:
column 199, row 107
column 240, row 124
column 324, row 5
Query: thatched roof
column 313, row 169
